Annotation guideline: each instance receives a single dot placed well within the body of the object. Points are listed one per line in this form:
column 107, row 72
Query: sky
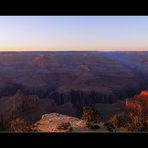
column 90, row 33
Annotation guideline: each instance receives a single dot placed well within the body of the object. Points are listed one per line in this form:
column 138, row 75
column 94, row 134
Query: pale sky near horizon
column 96, row 33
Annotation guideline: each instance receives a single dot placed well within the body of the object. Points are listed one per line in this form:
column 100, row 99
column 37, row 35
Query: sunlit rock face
column 51, row 122
column 138, row 104
column 144, row 93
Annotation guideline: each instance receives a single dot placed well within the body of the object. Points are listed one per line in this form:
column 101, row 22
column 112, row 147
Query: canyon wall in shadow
column 78, row 77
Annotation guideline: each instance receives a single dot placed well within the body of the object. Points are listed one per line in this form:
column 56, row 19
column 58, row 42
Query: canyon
column 36, row 83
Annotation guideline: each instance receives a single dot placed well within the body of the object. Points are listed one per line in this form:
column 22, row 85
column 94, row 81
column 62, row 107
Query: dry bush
column 19, row 125
column 91, row 115
column 115, row 122
column 136, row 123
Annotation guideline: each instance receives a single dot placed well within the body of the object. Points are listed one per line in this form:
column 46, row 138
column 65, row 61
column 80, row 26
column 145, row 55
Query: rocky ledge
column 53, row 123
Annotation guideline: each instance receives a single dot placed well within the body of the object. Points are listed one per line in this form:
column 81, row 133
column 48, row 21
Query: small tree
column 136, row 123
column 89, row 114
column 19, row 125
column 114, row 122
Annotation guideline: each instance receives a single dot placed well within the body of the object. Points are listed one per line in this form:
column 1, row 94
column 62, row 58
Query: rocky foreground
column 51, row 122
column 55, row 122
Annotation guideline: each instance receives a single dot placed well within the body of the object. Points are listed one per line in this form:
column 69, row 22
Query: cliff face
column 72, row 76
column 138, row 104
column 108, row 110
column 81, row 98
column 144, row 93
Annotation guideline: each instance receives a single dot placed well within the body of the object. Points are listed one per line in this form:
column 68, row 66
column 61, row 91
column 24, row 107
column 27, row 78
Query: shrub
column 114, row 122
column 19, row 125
column 91, row 115
column 136, row 123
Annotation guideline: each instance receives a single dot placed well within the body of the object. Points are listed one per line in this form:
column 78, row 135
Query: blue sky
column 73, row 33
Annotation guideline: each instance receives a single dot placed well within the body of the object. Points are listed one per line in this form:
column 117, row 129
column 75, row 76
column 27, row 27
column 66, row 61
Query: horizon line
column 73, row 50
